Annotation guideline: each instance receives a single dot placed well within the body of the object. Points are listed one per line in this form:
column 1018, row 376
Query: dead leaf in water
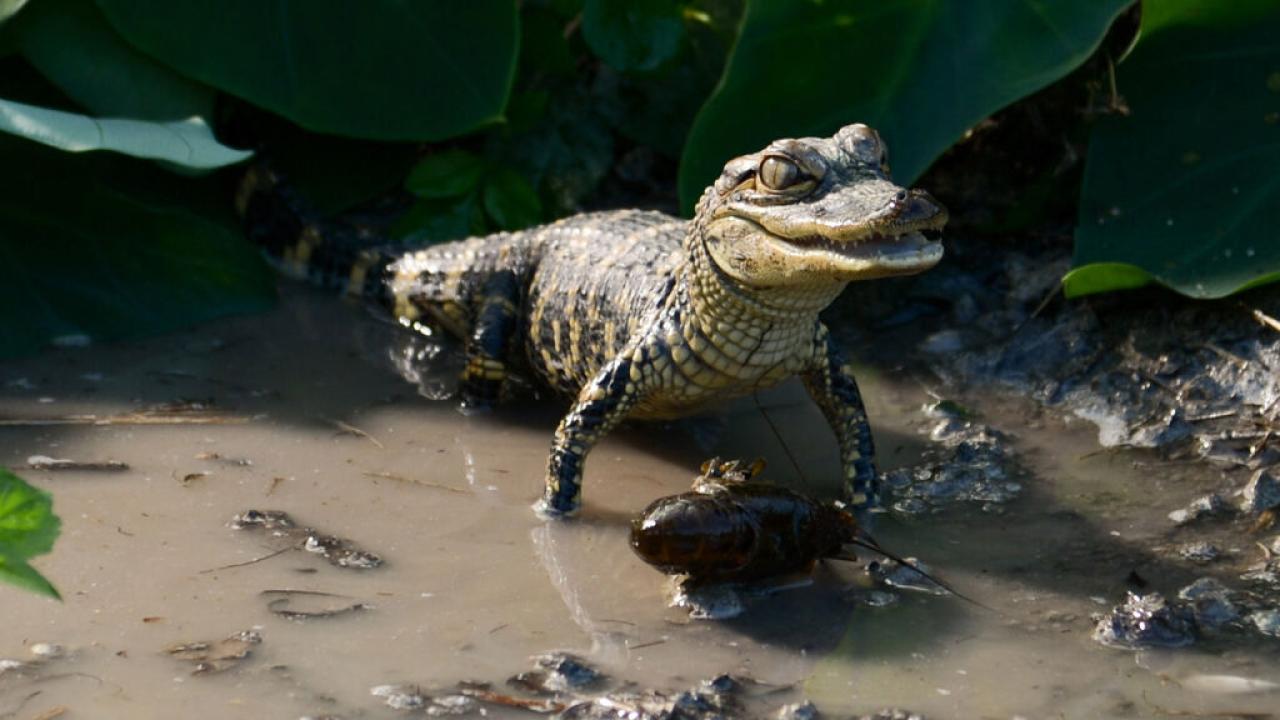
column 44, row 462
column 211, row 656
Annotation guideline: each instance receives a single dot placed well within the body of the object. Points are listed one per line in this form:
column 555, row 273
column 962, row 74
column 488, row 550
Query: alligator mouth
column 909, row 250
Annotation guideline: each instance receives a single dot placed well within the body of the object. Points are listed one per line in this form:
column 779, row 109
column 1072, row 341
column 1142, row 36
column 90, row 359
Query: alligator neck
column 715, row 297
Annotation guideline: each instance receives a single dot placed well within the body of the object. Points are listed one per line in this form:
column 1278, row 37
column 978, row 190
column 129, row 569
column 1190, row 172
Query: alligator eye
column 779, row 173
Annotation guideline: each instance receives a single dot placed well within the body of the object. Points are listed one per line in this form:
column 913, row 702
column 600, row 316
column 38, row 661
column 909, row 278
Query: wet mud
column 304, row 411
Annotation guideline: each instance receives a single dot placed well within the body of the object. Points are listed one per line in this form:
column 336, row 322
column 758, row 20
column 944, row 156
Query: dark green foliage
column 376, row 69
column 73, row 46
column 104, row 247
column 540, row 108
column 28, row 528
column 463, row 194
column 633, row 34
column 1185, row 189
column 920, row 72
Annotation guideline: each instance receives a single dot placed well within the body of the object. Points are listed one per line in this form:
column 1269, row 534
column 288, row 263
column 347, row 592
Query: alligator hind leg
column 496, row 323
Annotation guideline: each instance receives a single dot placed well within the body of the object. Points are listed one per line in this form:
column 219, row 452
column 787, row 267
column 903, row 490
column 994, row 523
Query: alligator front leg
column 832, row 386
column 602, row 404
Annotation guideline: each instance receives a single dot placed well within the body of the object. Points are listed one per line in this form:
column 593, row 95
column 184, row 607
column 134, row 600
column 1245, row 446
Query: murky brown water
column 474, row 583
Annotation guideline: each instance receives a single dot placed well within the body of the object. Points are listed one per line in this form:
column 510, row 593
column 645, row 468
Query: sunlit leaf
column 28, row 528
column 8, row 8
column 185, row 142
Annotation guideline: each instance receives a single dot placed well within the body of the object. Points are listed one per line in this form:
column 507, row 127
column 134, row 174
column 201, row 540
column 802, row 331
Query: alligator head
column 816, row 211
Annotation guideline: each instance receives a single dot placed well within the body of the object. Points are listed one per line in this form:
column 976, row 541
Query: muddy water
column 474, row 584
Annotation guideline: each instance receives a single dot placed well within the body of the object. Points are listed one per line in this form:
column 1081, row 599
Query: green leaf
column 432, row 221
column 378, row 69
column 9, row 8
column 72, row 44
column 28, row 528
column 633, row 34
column 24, row 576
column 104, row 247
column 1186, row 188
column 510, row 201
column 186, row 142
column 1103, row 276
column 446, row 174
column 921, row 72
column 543, row 46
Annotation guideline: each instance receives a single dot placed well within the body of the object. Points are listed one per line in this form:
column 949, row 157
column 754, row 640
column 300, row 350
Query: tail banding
column 301, row 245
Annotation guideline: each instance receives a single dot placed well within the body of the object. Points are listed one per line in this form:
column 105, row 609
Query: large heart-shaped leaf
column 377, row 69
column 28, row 528
column 920, row 71
column 102, row 247
column 75, row 48
column 1185, row 190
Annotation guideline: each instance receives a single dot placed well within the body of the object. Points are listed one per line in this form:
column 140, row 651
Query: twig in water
column 249, row 562
column 349, row 429
column 1226, row 354
column 424, row 483
column 651, row 643
column 1266, row 319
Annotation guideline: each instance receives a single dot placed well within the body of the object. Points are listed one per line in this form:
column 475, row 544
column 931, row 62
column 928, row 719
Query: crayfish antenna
column 869, row 543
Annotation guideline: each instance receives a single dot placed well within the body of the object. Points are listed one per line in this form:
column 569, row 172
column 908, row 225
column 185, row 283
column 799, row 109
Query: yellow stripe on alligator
column 359, row 272
column 300, row 261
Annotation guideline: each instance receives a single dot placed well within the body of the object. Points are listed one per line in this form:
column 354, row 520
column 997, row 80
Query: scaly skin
column 642, row 315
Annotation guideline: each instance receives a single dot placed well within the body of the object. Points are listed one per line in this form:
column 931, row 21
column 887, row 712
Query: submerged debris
column 1262, row 493
column 892, row 714
column 1206, row 506
column 47, row 651
column 44, row 462
column 569, row 686
column 1265, row 574
column 1211, row 603
column 400, row 697
column 281, row 602
column 556, row 673
column 218, row 457
column 969, row 463
column 1144, row 621
column 1200, row 552
column 175, row 413
column 277, row 523
column 211, row 656
column 1267, row 622
column 798, row 711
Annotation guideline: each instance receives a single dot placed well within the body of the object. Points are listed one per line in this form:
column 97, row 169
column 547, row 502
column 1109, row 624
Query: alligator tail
column 301, row 245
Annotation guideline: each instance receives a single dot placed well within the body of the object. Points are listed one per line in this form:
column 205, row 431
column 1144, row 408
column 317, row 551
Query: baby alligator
column 643, row 315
